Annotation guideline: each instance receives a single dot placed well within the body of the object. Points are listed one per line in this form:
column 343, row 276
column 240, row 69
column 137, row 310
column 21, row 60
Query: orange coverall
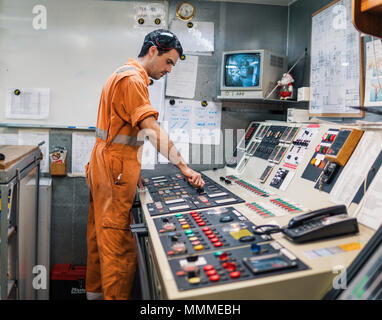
column 112, row 175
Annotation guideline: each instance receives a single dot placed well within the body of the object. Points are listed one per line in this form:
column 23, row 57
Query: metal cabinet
column 18, row 221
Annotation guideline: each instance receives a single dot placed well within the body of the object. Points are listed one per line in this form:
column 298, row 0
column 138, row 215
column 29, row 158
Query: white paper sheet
column 199, row 38
column 357, row 168
column 34, row 137
column 156, row 92
column 206, row 123
column 9, row 138
column 29, row 104
column 181, row 81
column 335, row 65
column 188, row 121
column 373, row 87
column 82, row 146
column 369, row 210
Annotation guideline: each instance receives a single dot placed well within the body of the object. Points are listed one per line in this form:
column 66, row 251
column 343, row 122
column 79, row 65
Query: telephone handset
column 316, row 225
column 320, row 213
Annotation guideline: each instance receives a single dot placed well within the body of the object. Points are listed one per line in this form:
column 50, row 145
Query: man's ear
column 152, row 51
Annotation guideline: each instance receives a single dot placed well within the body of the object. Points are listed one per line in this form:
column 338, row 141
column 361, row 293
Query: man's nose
column 168, row 69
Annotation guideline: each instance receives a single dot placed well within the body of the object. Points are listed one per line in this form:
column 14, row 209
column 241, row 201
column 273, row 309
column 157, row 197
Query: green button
column 218, row 253
column 188, row 232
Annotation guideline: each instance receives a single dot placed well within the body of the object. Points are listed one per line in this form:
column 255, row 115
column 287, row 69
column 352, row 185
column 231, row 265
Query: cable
column 267, row 229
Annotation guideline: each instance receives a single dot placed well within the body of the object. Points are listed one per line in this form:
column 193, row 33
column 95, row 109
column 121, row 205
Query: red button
column 214, row 240
column 229, row 266
column 211, row 273
column 180, row 273
column 218, row 244
column 201, row 224
column 206, row 229
column 198, row 220
column 235, row 274
column 208, row 267
column 223, row 256
column 214, row 278
column 193, row 212
column 211, row 236
column 170, row 253
column 208, row 233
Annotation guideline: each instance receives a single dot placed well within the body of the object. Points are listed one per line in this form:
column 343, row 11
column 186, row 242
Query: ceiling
column 270, row 2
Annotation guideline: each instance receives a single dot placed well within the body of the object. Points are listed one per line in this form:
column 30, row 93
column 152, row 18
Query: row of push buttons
column 285, row 205
column 265, row 213
column 252, row 188
column 212, row 237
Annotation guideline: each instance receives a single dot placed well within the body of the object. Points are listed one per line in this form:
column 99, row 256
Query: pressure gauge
column 185, row 11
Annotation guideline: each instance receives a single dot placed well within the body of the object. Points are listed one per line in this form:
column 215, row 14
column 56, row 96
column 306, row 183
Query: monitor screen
column 242, row 70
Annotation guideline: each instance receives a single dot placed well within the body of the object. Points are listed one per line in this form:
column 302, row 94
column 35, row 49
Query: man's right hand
column 193, row 177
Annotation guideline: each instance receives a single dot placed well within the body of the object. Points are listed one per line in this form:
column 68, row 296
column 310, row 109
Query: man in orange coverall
column 114, row 167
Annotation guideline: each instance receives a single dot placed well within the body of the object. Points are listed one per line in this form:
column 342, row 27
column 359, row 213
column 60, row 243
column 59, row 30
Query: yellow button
column 194, row 280
column 193, row 238
column 185, row 226
column 198, row 247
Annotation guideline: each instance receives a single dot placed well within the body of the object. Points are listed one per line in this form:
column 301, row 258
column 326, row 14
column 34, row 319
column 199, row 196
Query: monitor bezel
column 222, row 83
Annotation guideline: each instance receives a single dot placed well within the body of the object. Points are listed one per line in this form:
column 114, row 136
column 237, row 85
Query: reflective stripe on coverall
column 112, row 175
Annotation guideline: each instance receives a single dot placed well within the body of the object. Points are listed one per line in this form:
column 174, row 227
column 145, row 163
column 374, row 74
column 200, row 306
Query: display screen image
column 268, row 263
column 242, row 70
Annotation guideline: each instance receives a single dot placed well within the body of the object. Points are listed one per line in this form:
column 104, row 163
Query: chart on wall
column 336, row 63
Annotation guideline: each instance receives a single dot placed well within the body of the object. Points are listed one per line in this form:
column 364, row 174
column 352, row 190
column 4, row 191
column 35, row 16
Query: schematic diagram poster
column 336, row 63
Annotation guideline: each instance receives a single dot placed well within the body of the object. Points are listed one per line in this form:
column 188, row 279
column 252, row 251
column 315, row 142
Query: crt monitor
column 251, row 73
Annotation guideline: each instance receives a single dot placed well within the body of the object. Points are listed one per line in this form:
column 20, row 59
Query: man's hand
column 141, row 184
column 193, row 177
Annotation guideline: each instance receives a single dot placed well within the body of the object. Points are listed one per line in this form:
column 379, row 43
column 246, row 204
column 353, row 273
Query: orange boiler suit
column 112, row 175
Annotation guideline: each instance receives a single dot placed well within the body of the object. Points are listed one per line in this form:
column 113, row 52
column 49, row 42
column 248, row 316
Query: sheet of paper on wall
column 373, row 81
column 206, row 123
column 357, row 168
column 156, row 92
column 82, row 146
column 181, row 82
column 33, row 138
column 27, row 103
column 178, row 119
column 9, row 139
column 198, row 39
column 369, row 210
column 149, row 156
column 150, row 15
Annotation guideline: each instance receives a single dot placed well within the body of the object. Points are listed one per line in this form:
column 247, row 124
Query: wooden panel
column 370, row 21
column 13, row 154
column 374, row 6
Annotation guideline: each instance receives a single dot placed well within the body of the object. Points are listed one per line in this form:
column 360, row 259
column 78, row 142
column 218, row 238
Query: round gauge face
column 185, row 11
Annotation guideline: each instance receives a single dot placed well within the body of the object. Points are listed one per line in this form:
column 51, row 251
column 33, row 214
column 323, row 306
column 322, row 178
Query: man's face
column 161, row 65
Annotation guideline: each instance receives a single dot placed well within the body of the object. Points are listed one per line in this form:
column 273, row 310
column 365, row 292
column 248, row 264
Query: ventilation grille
column 277, row 62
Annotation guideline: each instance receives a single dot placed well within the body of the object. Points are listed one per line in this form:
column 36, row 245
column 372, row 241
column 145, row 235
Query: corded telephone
column 316, row 225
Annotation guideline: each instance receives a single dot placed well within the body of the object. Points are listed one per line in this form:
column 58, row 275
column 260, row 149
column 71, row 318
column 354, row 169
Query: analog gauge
column 185, row 11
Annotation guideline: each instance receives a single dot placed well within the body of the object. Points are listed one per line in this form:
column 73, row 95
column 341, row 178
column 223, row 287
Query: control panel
column 233, row 265
column 216, row 238
column 173, row 193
